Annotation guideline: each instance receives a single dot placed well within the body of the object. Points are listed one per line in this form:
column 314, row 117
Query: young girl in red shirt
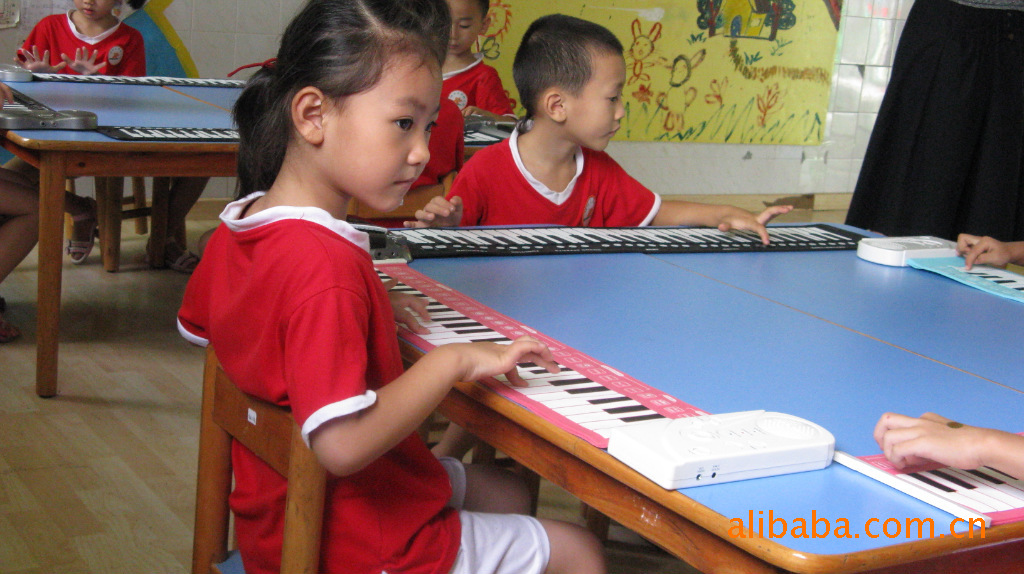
column 287, row 294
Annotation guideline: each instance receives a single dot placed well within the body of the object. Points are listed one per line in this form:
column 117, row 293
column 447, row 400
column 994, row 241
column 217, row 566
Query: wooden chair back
column 270, row 432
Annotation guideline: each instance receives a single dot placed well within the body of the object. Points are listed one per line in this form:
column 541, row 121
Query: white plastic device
column 709, row 449
column 895, row 251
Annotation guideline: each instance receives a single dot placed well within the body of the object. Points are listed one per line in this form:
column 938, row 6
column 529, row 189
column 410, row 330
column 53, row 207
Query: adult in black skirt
column 947, row 152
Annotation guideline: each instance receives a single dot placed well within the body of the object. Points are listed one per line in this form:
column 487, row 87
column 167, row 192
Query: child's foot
column 83, row 238
column 8, row 332
column 179, row 259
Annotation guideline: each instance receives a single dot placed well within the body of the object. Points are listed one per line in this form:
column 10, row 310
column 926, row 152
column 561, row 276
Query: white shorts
column 495, row 543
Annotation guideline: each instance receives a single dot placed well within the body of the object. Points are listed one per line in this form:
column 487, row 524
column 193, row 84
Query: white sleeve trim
column 654, row 211
column 335, row 410
column 190, row 337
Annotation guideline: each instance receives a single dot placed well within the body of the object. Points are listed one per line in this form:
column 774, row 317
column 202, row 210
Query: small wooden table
column 60, row 154
column 823, row 335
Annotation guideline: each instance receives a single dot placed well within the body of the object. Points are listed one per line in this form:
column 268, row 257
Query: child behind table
column 473, row 85
column 570, row 74
column 87, row 40
column 287, row 294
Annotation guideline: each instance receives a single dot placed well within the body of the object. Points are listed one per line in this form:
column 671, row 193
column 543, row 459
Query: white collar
column 479, row 58
column 231, row 217
column 556, row 197
column 90, row 39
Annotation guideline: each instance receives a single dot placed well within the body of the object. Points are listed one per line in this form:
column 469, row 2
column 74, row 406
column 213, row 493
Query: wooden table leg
column 158, row 223
column 109, row 193
column 52, row 170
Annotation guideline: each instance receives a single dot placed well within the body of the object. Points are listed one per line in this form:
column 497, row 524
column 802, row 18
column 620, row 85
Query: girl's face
column 96, row 9
column 375, row 142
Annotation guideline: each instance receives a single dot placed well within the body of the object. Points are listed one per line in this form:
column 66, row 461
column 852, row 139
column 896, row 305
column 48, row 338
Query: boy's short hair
column 556, row 51
column 485, row 5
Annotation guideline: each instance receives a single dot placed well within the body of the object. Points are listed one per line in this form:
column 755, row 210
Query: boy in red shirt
column 570, row 74
column 473, row 85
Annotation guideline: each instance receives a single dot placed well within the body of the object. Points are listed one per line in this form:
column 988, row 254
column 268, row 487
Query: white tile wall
column 224, row 34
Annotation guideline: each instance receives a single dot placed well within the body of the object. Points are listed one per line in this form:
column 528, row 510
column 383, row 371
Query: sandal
column 8, row 332
column 185, row 263
column 80, row 250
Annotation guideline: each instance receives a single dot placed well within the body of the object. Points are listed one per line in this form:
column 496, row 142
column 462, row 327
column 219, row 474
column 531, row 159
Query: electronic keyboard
column 26, row 113
column 586, row 397
column 982, row 494
column 461, row 242
column 140, row 80
column 210, row 135
column 481, row 131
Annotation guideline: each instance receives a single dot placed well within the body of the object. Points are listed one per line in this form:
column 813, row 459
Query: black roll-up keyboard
column 463, row 242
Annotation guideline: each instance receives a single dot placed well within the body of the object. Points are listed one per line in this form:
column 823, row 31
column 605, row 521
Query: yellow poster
column 727, row 71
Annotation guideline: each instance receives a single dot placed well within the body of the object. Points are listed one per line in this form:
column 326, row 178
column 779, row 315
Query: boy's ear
column 308, row 108
column 552, row 104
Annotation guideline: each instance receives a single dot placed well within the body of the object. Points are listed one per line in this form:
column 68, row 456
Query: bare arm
column 724, row 217
column 347, row 444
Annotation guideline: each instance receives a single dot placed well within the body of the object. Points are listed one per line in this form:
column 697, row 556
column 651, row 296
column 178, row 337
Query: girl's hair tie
column 267, row 64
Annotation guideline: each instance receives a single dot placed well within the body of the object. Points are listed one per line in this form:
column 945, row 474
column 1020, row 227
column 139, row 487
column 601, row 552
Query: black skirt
column 946, row 155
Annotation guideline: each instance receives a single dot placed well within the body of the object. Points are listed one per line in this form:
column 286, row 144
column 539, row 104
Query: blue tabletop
column 131, row 105
column 821, row 335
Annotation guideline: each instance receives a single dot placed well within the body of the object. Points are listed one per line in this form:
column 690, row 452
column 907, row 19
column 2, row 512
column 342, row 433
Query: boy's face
column 592, row 116
column 468, row 22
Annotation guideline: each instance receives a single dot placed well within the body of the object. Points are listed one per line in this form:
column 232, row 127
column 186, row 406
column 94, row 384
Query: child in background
column 908, row 441
column 447, row 146
column 91, row 40
column 552, row 170
column 87, row 40
column 988, row 251
column 473, row 85
column 287, row 294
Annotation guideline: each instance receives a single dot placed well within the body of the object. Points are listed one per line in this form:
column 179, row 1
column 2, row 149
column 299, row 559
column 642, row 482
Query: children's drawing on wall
column 728, row 71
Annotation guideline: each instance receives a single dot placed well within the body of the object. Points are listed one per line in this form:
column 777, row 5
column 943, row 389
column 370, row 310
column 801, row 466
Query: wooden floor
column 101, row 478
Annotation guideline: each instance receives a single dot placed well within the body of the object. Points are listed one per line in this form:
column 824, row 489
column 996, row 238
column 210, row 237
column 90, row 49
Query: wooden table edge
column 522, row 435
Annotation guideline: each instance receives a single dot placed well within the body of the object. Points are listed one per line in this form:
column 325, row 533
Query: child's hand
column 33, row 62
column 488, row 359
column 475, row 111
column 409, row 309
column 741, row 219
column 982, row 250
column 438, row 213
column 909, row 441
column 83, row 63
